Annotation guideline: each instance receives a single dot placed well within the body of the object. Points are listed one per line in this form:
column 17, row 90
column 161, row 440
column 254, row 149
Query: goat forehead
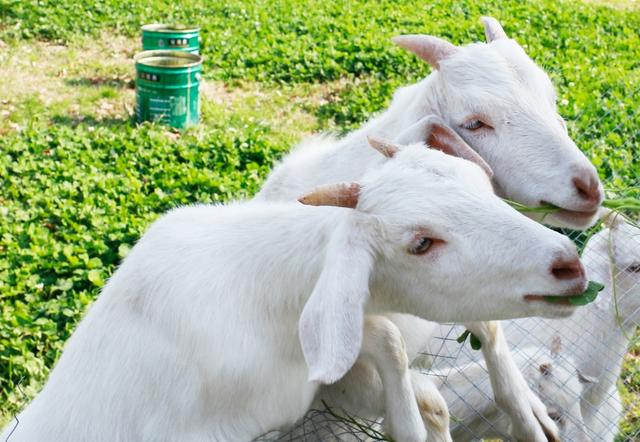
column 420, row 157
column 530, row 75
column 439, row 201
column 419, row 181
column 427, row 162
column 431, row 169
column 476, row 65
column 497, row 72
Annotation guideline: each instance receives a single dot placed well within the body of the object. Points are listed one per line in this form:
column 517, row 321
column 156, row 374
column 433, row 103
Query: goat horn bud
column 339, row 195
column 386, row 148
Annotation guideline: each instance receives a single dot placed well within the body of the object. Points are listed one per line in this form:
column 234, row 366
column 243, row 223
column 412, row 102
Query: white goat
column 496, row 98
column 503, row 105
column 550, row 372
column 223, row 320
column 599, row 333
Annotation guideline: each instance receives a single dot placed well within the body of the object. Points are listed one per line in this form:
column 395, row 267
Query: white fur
column 511, row 390
column 195, row 336
column 527, row 146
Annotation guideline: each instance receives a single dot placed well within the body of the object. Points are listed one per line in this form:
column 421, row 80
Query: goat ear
column 430, row 49
column 386, row 148
column 435, row 132
column 339, row 195
column 585, row 379
column 331, row 323
column 493, row 29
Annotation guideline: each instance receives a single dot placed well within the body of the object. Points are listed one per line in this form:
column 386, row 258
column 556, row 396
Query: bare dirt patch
column 92, row 81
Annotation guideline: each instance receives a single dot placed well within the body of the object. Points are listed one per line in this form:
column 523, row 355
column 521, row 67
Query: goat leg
column 529, row 419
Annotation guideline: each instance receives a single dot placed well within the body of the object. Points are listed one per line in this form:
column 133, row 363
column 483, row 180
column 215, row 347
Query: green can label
column 167, row 87
column 175, row 37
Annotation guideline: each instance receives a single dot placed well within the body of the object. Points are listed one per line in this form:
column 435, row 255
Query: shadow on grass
column 115, row 81
column 75, row 121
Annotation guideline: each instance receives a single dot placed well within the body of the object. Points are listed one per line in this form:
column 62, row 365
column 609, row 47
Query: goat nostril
column 566, row 270
column 588, row 189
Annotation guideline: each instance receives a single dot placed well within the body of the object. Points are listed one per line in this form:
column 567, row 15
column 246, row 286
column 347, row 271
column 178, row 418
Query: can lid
column 161, row 27
column 168, row 59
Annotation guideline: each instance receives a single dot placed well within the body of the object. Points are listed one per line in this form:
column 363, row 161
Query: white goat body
column 223, row 320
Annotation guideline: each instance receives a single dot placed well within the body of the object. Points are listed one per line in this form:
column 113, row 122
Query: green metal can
column 170, row 37
column 167, row 87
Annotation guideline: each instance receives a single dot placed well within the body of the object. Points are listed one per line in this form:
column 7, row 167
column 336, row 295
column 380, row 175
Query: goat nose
column 588, row 188
column 567, row 269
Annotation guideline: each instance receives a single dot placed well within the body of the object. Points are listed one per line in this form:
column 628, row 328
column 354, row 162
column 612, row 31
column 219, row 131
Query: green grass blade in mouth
column 544, row 208
column 620, row 204
column 586, row 297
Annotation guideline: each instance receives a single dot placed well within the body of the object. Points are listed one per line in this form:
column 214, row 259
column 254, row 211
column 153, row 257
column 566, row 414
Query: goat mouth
column 563, row 300
column 579, row 216
column 558, row 299
column 578, row 295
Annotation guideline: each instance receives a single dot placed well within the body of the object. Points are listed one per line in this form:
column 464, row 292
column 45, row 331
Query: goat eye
column 474, row 125
column 422, row 246
column 634, row 268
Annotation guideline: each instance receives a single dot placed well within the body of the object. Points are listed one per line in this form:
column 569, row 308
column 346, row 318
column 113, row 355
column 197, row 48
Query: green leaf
column 587, row 297
column 63, row 285
column 473, row 340
column 94, row 263
column 123, row 250
column 95, row 276
column 463, row 336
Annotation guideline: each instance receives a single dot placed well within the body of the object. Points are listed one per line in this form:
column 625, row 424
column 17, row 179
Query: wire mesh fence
column 578, row 360
column 327, row 424
column 585, row 368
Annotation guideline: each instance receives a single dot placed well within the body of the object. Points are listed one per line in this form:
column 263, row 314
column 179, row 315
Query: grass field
column 79, row 181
